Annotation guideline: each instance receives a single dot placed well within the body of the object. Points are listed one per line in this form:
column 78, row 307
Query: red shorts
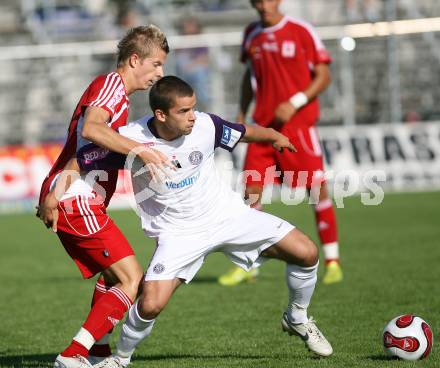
column 303, row 168
column 89, row 236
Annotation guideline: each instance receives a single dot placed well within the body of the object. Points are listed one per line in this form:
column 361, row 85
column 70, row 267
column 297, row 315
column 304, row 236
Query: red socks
column 75, row 348
column 108, row 310
column 327, row 229
column 101, row 348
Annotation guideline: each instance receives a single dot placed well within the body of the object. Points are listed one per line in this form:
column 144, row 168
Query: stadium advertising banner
column 23, row 169
column 396, row 157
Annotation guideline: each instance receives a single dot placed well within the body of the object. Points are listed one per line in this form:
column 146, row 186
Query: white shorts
column 242, row 239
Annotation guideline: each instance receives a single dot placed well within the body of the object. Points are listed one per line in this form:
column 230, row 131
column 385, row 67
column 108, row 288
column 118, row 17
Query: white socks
column 331, row 250
column 301, row 283
column 85, row 338
column 134, row 330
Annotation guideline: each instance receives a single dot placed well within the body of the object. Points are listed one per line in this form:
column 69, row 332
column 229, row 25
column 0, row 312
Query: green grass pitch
column 391, row 261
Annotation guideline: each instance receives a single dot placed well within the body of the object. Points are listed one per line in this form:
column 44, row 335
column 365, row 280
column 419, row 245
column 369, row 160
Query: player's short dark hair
column 142, row 41
column 165, row 90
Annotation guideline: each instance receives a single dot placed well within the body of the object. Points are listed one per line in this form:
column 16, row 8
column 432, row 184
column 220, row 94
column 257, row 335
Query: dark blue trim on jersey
column 92, row 157
column 223, row 132
column 152, row 128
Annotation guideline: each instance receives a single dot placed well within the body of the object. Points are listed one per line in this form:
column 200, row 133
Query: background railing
column 386, row 62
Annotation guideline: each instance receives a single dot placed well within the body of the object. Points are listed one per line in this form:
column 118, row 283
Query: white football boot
column 310, row 334
column 77, row 361
column 113, row 362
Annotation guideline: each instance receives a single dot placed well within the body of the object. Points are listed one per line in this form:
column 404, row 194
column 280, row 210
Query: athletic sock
column 107, row 312
column 327, row 229
column 104, row 315
column 75, row 348
column 134, row 330
column 301, row 283
column 101, row 348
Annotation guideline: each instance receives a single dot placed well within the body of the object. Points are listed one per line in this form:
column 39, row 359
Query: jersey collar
column 275, row 27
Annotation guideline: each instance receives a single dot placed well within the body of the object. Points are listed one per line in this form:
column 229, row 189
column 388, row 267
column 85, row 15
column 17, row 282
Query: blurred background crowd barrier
column 381, row 111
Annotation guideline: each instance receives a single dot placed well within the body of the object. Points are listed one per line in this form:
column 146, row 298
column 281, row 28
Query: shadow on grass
column 172, row 356
column 381, row 357
column 159, row 357
column 31, row 360
column 204, row 280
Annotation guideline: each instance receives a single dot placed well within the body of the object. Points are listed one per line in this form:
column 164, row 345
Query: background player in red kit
column 287, row 69
column 79, row 216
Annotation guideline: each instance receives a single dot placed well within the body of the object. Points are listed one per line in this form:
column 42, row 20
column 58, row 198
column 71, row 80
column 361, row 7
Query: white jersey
column 195, row 197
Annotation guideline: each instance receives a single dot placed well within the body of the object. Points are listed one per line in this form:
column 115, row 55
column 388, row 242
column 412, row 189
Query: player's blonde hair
column 142, row 41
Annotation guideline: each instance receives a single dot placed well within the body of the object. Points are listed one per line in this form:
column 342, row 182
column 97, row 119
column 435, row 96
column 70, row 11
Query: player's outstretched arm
column 256, row 133
column 96, row 130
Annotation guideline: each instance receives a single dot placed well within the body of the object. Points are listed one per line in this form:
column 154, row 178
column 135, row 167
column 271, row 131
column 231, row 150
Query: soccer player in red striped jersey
column 75, row 205
column 287, row 68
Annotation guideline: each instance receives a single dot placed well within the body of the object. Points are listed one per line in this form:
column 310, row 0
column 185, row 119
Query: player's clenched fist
column 47, row 211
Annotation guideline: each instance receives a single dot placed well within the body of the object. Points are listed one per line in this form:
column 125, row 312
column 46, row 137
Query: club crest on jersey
column 255, row 52
column 288, row 49
column 158, row 268
column 195, row 157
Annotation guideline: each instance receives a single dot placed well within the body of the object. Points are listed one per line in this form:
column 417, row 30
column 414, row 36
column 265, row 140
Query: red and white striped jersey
column 282, row 59
column 107, row 92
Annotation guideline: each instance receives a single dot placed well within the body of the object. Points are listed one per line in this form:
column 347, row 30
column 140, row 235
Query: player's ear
column 160, row 115
column 133, row 60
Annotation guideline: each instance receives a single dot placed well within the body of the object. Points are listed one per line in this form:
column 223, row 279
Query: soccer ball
column 408, row 337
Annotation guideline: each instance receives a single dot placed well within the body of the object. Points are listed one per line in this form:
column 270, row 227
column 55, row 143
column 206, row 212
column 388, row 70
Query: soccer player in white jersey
column 194, row 213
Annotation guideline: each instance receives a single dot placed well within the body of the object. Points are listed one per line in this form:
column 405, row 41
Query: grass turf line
column 390, row 256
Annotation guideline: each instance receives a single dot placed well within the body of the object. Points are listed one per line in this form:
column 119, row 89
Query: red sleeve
column 315, row 50
column 243, row 51
column 105, row 92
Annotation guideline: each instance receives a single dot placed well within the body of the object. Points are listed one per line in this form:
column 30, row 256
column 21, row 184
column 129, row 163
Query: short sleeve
column 315, row 50
column 243, row 50
column 227, row 134
column 106, row 92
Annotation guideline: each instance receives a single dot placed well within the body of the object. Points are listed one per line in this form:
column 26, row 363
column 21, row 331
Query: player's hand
column 48, row 212
column 284, row 112
column 283, row 142
column 240, row 118
column 157, row 163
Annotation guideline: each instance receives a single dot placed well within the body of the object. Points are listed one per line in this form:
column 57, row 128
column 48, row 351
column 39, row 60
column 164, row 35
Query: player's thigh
column 295, row 247
column 128, row 273
column 304, row 168
column 245, row 237
column 96, row 252
column 178, row 256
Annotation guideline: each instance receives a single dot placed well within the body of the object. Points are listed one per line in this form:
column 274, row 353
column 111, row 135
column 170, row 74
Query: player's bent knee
column 312, row 255
column 306, row 250
column 150, row 309
column 131, row 282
